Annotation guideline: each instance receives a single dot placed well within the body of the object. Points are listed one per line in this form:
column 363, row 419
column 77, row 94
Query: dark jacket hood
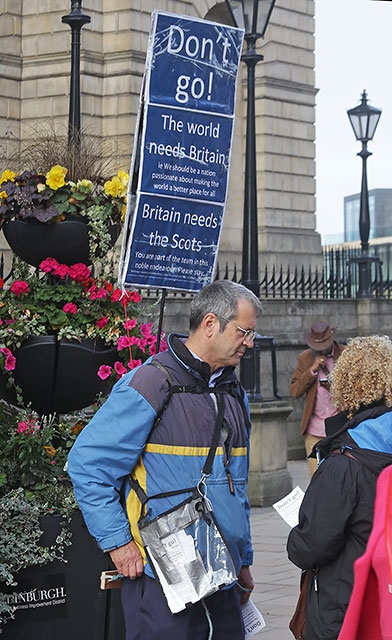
column 371, row 443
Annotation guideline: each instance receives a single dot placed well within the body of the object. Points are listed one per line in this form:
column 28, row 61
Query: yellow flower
column 3, row 194
column 55, row 178
column 123, row 211
column 85, row 183
column 124, row 177
column 7, row 175
column 115, row 188
column 40, row 187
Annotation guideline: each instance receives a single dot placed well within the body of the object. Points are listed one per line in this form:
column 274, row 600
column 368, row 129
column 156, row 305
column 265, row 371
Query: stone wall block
column 6, row 26
column 54, row 43
column 109, row 22
column 29, row 46
column 37, row 109
column 117, row 41
column 51, row 6
column 55, row 86
column 60, row 106
column 13, row 109
column 37, row 25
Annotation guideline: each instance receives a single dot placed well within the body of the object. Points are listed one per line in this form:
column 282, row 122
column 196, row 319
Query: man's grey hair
column 221, row 298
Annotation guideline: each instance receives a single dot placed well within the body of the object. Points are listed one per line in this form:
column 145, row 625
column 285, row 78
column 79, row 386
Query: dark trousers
column 147, row 616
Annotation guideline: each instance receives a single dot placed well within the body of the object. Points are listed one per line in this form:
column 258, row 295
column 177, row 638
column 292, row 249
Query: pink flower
column 69, row 307
column 22, row 427
column 10, row 363
column 139, row 342
column 104, row 371
column 52, row 462
column 6, row 351
column 92, row 292
column 102, row 293
column 116, row 295
column 102, row 322
column 153, row 348
column 130, row 324
column 79, row 272
column 122, row 343
column 145, row 329
column 132, row 364
column 48, row 265
column 19, row 286
column 61, row 270
column 134, row 296
column 163, row 346
column 120, row 369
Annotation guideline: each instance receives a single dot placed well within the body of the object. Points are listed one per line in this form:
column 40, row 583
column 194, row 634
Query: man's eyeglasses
column 249, row 334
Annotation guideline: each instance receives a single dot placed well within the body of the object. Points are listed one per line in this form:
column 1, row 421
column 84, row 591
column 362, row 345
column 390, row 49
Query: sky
column 353, row 53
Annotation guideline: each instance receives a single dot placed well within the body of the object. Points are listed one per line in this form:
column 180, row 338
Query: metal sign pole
column 161, row 310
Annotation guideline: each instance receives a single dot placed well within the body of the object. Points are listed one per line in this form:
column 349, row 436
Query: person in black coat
column 336, row 514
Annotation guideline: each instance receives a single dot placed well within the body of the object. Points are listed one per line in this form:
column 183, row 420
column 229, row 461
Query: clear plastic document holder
column 187, row 552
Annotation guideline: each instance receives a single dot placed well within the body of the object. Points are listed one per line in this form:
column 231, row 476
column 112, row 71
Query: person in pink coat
column 369, row 614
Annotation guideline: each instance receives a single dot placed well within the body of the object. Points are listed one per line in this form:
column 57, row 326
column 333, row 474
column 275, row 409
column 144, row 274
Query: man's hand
column 246, row 581
column 128, row 560
column 319, row 361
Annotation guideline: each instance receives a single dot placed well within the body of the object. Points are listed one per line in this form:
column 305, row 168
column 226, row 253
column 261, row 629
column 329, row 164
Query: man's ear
column 209, row 323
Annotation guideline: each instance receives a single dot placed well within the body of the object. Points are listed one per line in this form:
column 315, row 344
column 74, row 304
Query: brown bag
column 297, row 622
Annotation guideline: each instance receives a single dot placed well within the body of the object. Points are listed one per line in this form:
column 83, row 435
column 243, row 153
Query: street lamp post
column 76, row 19
column 364, row 120
column 252, row 16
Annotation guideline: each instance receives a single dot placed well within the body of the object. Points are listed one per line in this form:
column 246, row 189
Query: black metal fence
column 336, row 278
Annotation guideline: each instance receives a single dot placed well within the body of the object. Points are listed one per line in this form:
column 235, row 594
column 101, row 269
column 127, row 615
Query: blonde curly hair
column 363, row 374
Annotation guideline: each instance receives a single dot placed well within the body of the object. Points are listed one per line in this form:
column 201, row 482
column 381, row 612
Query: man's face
column 325, row 352
column 229, row 345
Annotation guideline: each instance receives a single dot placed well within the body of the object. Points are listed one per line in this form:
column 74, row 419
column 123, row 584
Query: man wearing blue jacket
column 168, row 455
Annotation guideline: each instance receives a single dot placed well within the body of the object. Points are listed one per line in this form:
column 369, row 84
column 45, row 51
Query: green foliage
column 33, row 484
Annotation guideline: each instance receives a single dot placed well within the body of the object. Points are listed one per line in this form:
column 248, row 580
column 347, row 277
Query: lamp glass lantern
column 364, row 119
column 251, row 15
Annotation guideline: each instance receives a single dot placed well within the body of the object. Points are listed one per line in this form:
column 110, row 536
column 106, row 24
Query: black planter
column 67, row 601
column 59, row 376
column 66, row 241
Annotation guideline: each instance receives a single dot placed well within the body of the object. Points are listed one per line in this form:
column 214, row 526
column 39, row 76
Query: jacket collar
column 199, row 368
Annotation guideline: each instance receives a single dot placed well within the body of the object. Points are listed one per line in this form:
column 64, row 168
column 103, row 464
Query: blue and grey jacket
column 122, row 437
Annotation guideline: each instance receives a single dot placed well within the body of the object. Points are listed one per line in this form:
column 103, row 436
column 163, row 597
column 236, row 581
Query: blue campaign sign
column 174, row 241
column 186, row 154
column 194, row 63
column 184, row 137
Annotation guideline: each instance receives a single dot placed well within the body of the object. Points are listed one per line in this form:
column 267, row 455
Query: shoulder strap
column 169, row 379
column 215, row 438
column 347, row 452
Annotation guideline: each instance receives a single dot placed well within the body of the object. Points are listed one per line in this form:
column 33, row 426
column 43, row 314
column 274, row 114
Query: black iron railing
column 336, row 279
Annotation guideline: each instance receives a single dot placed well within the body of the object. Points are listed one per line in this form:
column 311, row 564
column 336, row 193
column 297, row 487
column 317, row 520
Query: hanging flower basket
column 43, row 214
column 66, row 336
column 59, row 376
column 67, row 240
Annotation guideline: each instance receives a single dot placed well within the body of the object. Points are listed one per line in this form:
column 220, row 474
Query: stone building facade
column 34, row 89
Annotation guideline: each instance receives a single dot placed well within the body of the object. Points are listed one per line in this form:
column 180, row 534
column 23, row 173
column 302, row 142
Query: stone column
column 269, row 479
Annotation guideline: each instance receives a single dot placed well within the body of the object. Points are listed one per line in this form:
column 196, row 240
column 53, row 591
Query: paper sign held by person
column 288, row 507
